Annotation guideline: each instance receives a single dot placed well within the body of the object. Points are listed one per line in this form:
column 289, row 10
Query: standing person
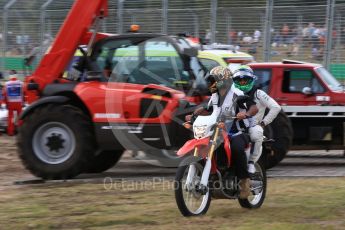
column 208, row 36
column 233, row 37
column 257, row 35
column 134, row 28
column 223, row 94
column 244, row 79
column 285, row 31
column 1, row 95
column 14, row 100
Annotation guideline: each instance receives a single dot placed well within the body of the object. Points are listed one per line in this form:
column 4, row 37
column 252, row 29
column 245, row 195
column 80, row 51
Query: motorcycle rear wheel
column 189, row 201
column 255, row 201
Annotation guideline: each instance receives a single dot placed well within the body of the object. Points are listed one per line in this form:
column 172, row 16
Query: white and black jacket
column 264, row 101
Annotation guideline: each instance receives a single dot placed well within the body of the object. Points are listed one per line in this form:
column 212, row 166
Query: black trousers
column 238, row 145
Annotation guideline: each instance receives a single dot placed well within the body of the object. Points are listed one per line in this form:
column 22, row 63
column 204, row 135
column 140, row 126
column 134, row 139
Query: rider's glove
column 194, row 116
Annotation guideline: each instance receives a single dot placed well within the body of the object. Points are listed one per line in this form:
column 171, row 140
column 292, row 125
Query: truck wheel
column 281, row 131
column 104, row 161
column 56, row 142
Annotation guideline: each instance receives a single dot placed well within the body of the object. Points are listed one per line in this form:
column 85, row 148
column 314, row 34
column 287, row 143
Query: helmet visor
column 211, row 81
column 243, row 80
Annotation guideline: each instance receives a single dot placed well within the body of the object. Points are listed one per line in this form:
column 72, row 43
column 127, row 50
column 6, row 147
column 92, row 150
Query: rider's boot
column 245, row 188
column 251, row 167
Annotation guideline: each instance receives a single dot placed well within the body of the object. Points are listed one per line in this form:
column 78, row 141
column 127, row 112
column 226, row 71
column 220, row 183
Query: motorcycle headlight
column 200, row 131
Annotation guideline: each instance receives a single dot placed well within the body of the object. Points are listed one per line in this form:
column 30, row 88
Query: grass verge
column 290, row 204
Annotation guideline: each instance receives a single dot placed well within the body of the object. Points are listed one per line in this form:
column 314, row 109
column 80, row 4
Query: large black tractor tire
column 104, row 161
column 281, row 131
column 56, row 142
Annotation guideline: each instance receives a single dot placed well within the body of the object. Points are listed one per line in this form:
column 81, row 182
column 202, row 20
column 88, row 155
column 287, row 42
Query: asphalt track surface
column 296, row 164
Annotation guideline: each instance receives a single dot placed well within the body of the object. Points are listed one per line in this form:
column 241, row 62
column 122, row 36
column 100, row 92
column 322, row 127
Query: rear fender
column 191, row 144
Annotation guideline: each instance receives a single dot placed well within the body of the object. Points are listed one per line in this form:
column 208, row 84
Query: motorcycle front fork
column 202, row 187
column 207, row 169
column 191, row 170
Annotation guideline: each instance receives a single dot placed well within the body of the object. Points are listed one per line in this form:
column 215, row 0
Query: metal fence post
column 213, row 22
column 43, row 23
column 329, row 26
column 262, row 26
column 164, row 28
column 22, row 30
column 133, row 18
column 195, row 23
column 4, row 34
column 338, row 41
column 104, row 25
column 120, row 16
column 228, row 28
column 268, row 26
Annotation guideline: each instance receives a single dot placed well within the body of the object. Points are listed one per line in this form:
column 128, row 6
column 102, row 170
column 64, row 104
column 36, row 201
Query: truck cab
column 299, row 84
column 312, row 99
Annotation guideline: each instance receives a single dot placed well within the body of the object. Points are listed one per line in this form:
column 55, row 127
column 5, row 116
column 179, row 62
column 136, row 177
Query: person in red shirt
column 14, row 100
column 1, row 96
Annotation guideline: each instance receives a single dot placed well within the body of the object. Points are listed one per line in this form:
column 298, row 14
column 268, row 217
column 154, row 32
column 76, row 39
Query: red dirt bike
column 209, row 171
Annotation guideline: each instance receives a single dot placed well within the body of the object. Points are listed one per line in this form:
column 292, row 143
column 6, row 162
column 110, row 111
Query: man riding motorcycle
column 223, row 96
column 244, row 80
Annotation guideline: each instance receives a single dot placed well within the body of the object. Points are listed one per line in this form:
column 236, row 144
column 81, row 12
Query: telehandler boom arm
column 74, row 29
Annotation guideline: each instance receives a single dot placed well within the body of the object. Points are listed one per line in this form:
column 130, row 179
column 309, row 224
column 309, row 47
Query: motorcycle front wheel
column 190, row 201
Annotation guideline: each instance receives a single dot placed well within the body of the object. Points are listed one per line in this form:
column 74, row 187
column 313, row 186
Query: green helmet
column 244, row 78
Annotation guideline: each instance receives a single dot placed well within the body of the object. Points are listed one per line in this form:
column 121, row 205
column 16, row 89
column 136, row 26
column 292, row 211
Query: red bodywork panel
column 203, row 145
column 297, row 98
column 118, row 102
column 71, row 34
column 227, row 147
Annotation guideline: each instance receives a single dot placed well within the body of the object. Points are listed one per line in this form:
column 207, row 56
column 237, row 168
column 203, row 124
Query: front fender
column 190, row 160
column 43, row 101
column 191, row 144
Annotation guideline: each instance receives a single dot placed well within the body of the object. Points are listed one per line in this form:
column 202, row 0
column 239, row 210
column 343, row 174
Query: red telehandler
column 131, row 91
